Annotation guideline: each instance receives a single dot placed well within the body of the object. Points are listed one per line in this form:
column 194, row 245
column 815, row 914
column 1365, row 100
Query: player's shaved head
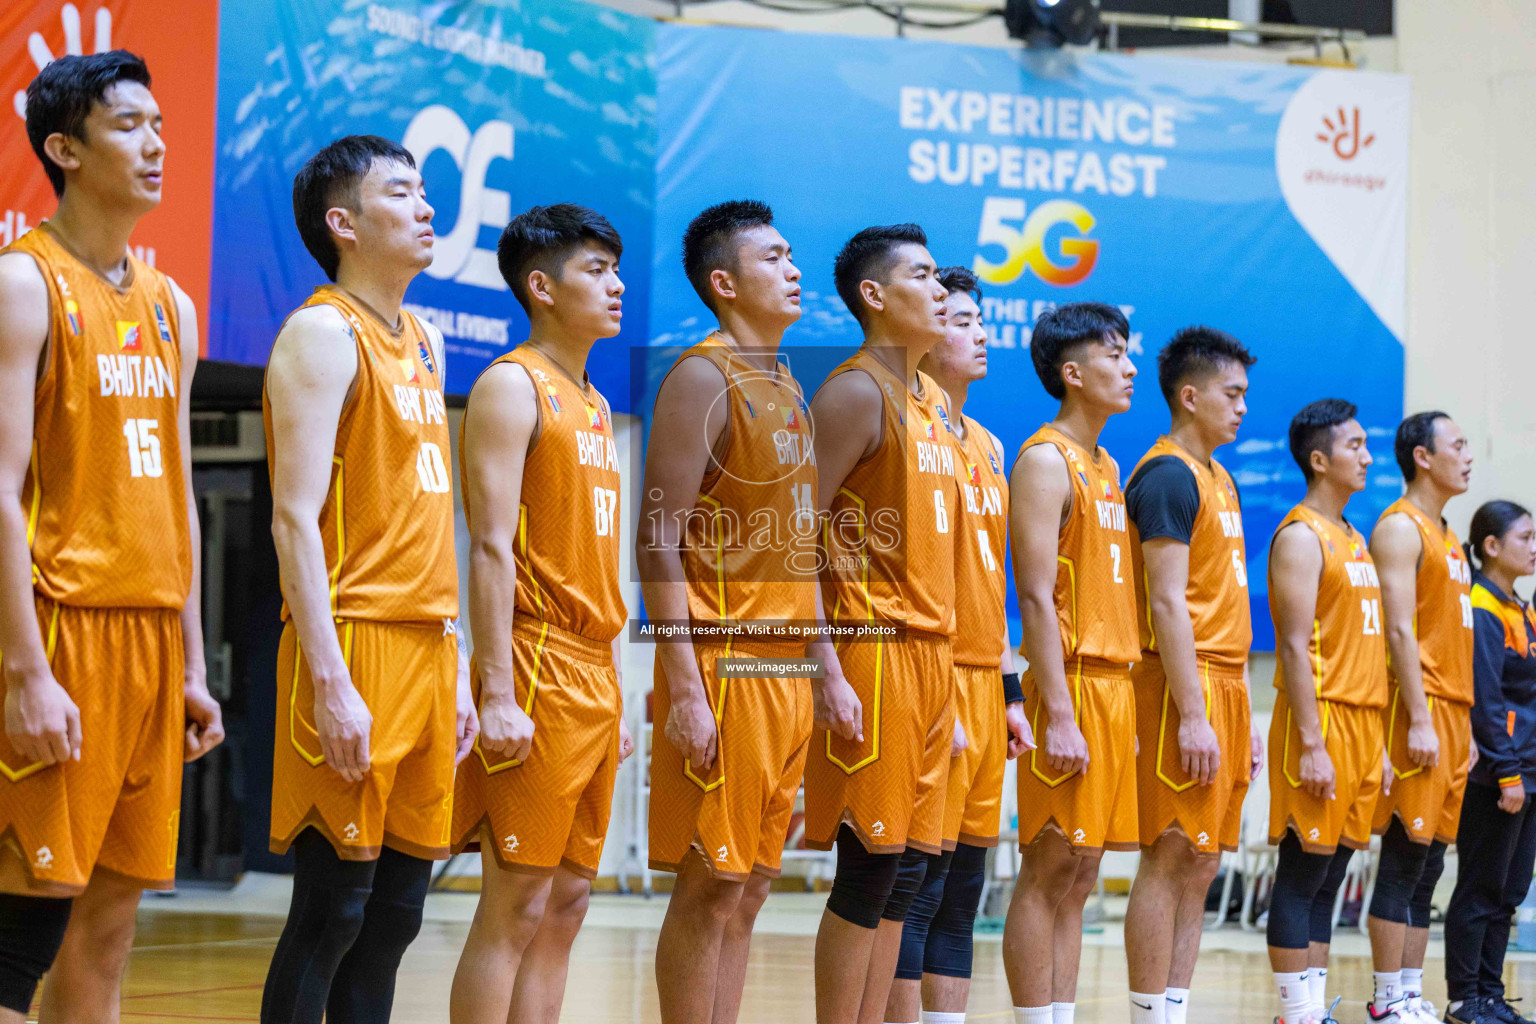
column 330, row 179
column 871, row 255
column 713, row 241
column 1193, row 354
column 544, row 237
column 1313, row 427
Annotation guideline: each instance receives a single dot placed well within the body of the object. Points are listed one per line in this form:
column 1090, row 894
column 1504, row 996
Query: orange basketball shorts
column 1427, row 800
column 1167, row 799
column 117, row 809
column 552, row 809
column 973, row 803
column 1353, row 736
column 889, row 788
column 1096, row 809
column 735, row 815
column 407, row 674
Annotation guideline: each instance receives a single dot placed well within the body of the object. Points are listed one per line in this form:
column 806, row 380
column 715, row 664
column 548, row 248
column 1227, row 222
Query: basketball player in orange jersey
column 100, row 626
column 372, row 679
column 1426, row 608
column 547, row 609
column 1198, row 748
column 878, row 766
column 1325, row 741
column 1077, row 605
column 933, row 973
column 727, row 539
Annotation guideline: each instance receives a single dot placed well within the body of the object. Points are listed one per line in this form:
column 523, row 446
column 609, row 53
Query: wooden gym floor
column 205, row 960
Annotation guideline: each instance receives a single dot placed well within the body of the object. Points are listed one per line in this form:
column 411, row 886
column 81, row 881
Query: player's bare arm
column 1039, row 498
column 499, row 425
column 1167, row 565
column 1295, row 571
column 309, row 380
column 1396, row 549
column 848, row 414
column 41, row 721
column 1020, row 736
column 687, row 425
column 205, row 721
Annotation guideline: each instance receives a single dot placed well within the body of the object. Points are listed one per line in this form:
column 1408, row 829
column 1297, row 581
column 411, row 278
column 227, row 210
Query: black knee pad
column 1321, row 927
column 1299, row 876
column 912, row 868
column 31, row 932
column 950, row 937
column 363, row 989
column 1418, row 903
column 930, row 894
column 863, row 882
column 1397, row 874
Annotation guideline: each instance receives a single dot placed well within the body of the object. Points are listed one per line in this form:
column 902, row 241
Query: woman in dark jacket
column 1496, row 841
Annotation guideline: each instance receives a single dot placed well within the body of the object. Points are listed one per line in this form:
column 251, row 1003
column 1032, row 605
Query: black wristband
column 1012, row 691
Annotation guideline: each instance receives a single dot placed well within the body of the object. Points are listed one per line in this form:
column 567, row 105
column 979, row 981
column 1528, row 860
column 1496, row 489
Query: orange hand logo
column 1345, row 136
column 42, row 56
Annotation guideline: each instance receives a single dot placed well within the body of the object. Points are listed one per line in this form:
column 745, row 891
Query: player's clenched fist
column 1066, row 751
column 41, row 720
column 691, row 728
column 345, row 726
column 505, row 729
column 837, row 707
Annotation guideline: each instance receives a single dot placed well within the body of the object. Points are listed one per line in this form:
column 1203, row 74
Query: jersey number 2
column 1371, row 609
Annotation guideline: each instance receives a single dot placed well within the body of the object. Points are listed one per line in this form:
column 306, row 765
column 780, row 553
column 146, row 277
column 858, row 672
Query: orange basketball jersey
column 750, row 552
column 1095, row 598
column 387, row 522
column 1217, row 592
column 567, row 549
column 1347, row 651
column 1442, row 620
column 104, row 497
column 890, row 549
column 981, row 550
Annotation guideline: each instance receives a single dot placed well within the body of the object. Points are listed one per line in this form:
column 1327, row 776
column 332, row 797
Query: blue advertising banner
column 504, row 105
column 1268, row 201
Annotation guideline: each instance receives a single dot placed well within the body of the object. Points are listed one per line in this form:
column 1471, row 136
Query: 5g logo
column 1025, row 247
column 455, row 255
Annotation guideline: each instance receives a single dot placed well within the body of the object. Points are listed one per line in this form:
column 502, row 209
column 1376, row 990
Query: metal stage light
column 1052, row 22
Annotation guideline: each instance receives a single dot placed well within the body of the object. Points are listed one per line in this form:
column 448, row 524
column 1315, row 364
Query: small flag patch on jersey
column 790, row 419
column 426, row 357
column 72, row 312
column 594, row 417
column 1356, row 552
column 1082, row 476
column 973, row 472
column 162, row 323
column 554, row 399
column 751, row 412
column 1104, row 487
column 945, row 417
column 408, row 369
column 992, row 458
column 128, row 336
column 928, row 431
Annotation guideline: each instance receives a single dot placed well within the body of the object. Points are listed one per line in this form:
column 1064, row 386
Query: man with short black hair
column 1326, row 762
column 100, row 623
column 540, row 472
column 1198, row 749
column 727, row 541
column 373, row 700
column 878, row 767
column 1426, row 607
column 1077, row 606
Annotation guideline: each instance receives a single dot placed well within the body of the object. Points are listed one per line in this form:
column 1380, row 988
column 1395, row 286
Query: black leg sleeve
column 1320, row 928
column 363, row 991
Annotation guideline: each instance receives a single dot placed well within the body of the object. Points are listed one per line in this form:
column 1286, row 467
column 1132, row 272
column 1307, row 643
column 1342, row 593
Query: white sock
column 1389, row 987
column 1062, row 1013
column 940, row 1017
column 1031, row 1015
column 1295, row 995
column 1146, row 1008
column 1317, row 981
column 1176, row 1005
column 1413, row 981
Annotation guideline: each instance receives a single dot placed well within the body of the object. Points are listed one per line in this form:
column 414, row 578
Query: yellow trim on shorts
column 1162, row 729
column 314, row 760
column 719, row 714
column 533, row 689
column 1072, row 584
column 49, row 645
column 1035, row 727
column 1323, row 707
column 527, row 567
column 869, row 616
column 34, row 512
column 1429, row 703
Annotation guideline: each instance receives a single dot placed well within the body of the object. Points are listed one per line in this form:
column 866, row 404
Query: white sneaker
column 1395, row 1012
column 1423, row 1010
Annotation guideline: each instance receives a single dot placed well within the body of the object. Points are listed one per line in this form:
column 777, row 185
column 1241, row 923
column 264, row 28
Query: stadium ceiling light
column 1052, row 22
